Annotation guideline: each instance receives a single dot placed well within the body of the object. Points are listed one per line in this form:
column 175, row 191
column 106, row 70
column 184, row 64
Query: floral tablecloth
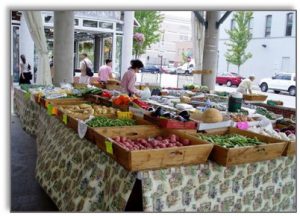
column 79, row 177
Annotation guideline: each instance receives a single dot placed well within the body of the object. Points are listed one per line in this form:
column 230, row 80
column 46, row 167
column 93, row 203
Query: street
column 288, row 101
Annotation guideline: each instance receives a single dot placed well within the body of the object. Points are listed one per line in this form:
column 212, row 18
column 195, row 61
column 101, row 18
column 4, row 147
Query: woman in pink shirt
column 105, row 71
column 129, row 78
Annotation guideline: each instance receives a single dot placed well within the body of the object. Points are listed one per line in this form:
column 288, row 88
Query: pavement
column 26, row 193
column 288, row 101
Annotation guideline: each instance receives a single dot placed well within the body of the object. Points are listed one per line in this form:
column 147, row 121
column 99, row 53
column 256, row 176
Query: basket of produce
column 124, row 115
column 113, row 85
column 288, row 133
column 170, row 120
column 121, row 102
column 234, row 146
column 255, row 97
column 148, row 147
column 268, row 114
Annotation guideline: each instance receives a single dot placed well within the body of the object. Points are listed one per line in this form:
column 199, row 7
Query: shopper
column 246, row 85
column 105, row 71
column 129, row 78
column 25, row 71
column 51, row 67
column 85, row 65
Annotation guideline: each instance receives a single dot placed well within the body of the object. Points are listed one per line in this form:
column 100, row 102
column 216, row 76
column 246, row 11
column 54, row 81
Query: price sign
column 242, row 125
column 109, row 148
column 65, row 118
column 27, row 96
column 81, row 129
column 49, row 109
column 54, row 111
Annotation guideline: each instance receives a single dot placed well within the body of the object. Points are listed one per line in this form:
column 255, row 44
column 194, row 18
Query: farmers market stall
column 100, row 172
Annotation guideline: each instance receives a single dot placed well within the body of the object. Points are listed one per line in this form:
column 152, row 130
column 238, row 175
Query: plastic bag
column 145, row 94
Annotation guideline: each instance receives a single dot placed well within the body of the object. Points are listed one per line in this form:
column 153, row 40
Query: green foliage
column 149, row 26
column 239, row 36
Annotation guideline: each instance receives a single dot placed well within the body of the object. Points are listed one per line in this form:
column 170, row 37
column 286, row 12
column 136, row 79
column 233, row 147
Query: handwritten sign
column 81, row 129
column 109, row 148
column 49, row 109
column 65, row 119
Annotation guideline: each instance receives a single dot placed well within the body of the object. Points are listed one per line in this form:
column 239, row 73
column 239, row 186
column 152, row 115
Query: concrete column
column 127, row 42
column 26, row 43
column 63, row 46
column 97, row 52
column 198, row 32
column 210, row 56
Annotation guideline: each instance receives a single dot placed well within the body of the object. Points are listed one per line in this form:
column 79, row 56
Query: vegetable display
column 152, row 142
column 212, row 115
column 230, row 140
column 266, row 113
column 238, row 117
column 141, row 104
column 121, row 100
column 101, row 121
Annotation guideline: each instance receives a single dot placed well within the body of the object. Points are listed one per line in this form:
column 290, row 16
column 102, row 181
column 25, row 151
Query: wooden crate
column 290, row 149
column 62, row 101
column 90, row 134
column 231, row 156
column 196, row 153
column 99, row 100
column 254, row 97
column 170, row 123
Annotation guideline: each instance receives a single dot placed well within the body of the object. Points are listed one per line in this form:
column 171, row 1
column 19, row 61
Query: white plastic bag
column 145, row 94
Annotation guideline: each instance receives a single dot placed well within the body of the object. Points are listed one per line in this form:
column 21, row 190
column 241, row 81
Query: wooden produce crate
column 170, row 123
column 290, row 149
column 98, row 100
column 62, row 101
column 136, row 160
column 254, row 97
column 121, row 107
column 273, row 148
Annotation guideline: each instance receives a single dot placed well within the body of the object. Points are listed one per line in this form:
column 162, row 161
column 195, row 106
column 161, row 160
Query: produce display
column 141, row 104
column 238, row 117
column 183, row 116
column 101, row 121
column 152, row 142
column 263, row 111
column 287, row 130
column 26, row 87
column 121, row 100
column 275, row 133
column 212, row 115
column 83, row 111
column 230, row 140
column 86, row 90
column 197, row 88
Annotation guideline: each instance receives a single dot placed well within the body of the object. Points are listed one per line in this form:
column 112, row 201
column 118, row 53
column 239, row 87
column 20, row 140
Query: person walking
column 129, row 78
column 246, row 85
column 85, row 66
column 25, row 71
column 105, row 71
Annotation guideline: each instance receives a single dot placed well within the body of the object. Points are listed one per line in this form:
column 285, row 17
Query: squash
column 212, row 115
column 197, row 115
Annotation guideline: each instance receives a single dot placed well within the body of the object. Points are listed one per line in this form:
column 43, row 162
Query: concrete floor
column 26, row 193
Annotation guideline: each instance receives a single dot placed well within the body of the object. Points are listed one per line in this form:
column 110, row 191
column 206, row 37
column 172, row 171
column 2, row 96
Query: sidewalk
column 26, row 194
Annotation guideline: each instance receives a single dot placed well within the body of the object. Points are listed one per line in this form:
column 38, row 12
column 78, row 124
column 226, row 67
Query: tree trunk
column 210, row 58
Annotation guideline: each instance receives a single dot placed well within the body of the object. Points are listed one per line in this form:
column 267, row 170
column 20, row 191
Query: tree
column 239, row 36
column 149, row 26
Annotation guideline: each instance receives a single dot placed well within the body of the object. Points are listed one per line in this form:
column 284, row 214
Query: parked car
column 186, row 68
column 171, row 69
column 229, row 79
column 150, row 68
column 164, row 69
column 280, row 82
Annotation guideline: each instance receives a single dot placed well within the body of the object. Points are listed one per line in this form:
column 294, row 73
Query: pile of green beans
column 101, row 121
column 230, row 140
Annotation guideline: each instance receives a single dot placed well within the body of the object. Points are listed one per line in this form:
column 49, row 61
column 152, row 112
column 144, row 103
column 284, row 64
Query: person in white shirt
column 246, row 85
column 85, row 61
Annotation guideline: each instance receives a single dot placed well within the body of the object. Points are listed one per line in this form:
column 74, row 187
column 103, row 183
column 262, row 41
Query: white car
column 280, row 82
column 185, row 68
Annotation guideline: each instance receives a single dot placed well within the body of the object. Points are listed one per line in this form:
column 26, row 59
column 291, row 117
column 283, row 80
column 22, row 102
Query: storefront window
column 105, row 25
column 90, row 23
column 118, row 54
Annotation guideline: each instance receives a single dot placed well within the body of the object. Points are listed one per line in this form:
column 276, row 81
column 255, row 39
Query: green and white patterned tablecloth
column 80, row 177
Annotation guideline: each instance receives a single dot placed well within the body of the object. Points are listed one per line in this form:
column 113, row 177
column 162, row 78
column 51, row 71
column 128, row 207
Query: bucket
column 235, row 102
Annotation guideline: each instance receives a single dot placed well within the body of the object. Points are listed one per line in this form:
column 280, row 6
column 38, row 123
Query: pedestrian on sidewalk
column 25, row 71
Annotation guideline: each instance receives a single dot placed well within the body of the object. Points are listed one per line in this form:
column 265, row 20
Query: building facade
column 273, row 44
column 176, row 38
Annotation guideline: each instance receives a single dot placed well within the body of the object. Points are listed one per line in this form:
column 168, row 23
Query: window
column 90, row 23
column 76, row 22
column 232, row 24
column 268, row 25
column 105, row 25
column 250, row 27
column 119, row 27
column 287, row 77
column 289, row 24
